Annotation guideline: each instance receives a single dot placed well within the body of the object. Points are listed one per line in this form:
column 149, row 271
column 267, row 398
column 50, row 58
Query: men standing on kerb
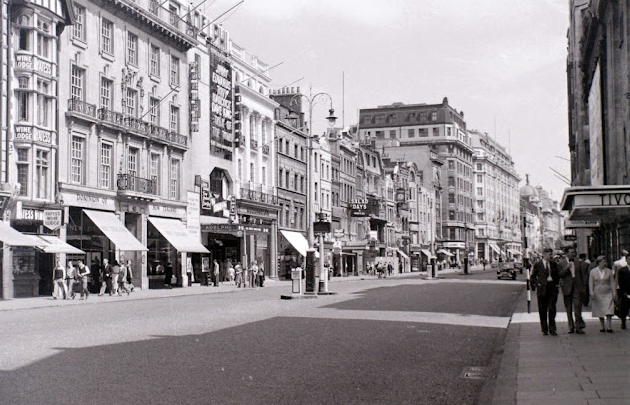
column 573, row 280
column 545, row 281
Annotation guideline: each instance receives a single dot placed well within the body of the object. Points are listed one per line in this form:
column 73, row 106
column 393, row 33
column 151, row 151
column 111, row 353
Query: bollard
column 529, row 291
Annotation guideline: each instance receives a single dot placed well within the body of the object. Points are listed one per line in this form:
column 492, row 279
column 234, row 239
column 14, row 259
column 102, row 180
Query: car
column 505, row 270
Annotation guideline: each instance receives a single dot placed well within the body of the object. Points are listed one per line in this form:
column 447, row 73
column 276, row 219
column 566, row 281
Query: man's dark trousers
column 547, row 308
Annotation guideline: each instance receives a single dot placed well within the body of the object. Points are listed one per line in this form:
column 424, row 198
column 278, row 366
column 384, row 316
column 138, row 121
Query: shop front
column 258, row 218
column 292, row 247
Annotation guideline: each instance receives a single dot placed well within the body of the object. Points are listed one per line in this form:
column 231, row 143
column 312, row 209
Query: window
column 77, row 76
column 173, row 14
column 286, row 184
column 43, row 103
column 24, row 105
column 451, row 198
column 451, row 165
column 174, row 121
column 154, row 111
column 43, row 45
column 423, row 132
column 451, row 215
column 411, row 132
column 106, row 166
column 174, row 81
column 451, row 181
column 480, row 216
column 154, row 61
column 107, row 37
column 106, row 93
column 295, row 152
column 264, row 176
column 174, row 180
column 23, row 166
column 302, row 184
column 280, row 147
column 479, row 178
column 316, row 191
column 132, row 162
column 434, row 116
column 77, row 155
column 449, row 131
column 41, row 176
column 25, row 40
column 479, row 166
column 154, row 171
column 130, row 99
column 479, row 191
column 436, row 131
column 392, row 134
column 132, row 49
column 295, row 182
column 252, row 173
column 78, row 30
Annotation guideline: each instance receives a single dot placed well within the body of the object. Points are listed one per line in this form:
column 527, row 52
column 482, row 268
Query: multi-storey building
column 497, row 217
column 292, row 149
column 30, row 77
column 598, row 61
column 124, row 133
column 440, row 126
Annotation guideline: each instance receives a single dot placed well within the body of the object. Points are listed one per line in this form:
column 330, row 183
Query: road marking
column 442, row 318
column 533, row 317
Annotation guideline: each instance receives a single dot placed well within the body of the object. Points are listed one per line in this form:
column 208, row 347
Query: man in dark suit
column 572, row 281
column 545, row 280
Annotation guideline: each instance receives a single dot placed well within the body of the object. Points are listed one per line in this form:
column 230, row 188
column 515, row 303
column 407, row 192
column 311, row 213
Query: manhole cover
column 477, row 372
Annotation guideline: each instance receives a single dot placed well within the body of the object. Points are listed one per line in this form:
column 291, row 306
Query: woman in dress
column 601, row 285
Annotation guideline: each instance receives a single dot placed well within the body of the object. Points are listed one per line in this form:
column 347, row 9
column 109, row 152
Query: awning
column 52, row 244
column 298, row 241
column 115, row 231
column 446, row 252
column 12, row 237
column 515, row 252
column 403, row 254
column 495, row 248
column 427, row 253
column 608, row 204
column 177, row 234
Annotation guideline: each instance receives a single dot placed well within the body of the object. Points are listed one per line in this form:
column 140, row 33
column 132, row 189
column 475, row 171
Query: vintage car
column 505, row 270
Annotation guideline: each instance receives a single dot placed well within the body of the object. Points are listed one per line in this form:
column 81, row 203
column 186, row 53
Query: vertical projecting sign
column 221, row 138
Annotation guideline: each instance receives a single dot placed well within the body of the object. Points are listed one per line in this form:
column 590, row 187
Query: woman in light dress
column 601, row 285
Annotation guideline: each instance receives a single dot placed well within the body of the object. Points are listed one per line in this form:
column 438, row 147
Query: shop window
column 23, row 169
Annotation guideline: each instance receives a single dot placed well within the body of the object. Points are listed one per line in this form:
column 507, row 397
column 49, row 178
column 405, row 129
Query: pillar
column 7, row 272
column 144, row 265
column 273, row 250
column 182, row 270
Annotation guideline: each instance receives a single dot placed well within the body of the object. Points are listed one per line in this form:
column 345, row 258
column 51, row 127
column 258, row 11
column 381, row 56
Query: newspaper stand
column 296, row 281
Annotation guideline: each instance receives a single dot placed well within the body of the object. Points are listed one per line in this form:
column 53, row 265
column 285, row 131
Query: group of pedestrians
column 581, row 282
column 65, row 280
column 116, row 278
column 113, row 278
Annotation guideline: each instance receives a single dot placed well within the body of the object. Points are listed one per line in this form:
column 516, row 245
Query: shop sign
column 338, row 233
column 30, row 213
column 234, row 229
column 570, row 223
column 455, row 245
column 88, row 201
column 28, row 133
column 221, row 109
column 206, row 200
column 192, row 214
column 401, row 195
column 256, row 211
column 52, row 219
column 359, row 207
column 166, row 211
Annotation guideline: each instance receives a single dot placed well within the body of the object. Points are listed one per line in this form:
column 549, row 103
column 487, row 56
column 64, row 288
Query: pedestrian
column 95, row 271
column 253, row 273
column 618, row 264
column 205, row 272
column 115, row 277
column 231, row 272
column 573, row 280
column 84, row 274
column 623, row 293
column 601, row 285
column 390, row 269
column 545, row 281
column 246, row 272
column 71, row 278
column 216, row 272
column 261, row 275
column 59, row 285
column 122, row 279
column 130, row 275
column 239, row 274
column 168, row 273
column 106, row 277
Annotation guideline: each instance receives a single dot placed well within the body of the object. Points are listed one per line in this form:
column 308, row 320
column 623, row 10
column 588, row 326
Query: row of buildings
column 598, row 62
column 138, row 130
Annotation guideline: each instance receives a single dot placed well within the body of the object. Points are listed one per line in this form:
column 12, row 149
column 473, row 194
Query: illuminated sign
column 221, row 108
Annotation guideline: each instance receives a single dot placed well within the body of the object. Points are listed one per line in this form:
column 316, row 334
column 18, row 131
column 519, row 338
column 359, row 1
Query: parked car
column 505, row 270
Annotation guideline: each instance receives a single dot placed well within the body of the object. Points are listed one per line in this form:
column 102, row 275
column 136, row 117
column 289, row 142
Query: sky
column 502, row 62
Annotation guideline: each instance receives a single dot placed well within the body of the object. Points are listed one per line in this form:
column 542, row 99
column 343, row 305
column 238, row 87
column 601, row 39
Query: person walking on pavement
column 253, row 274
column 122, row 279
column 130, row 275
column 59, row 285
column 545, row 281
column 261, row 275
column 84, row 273
column 106, row 277
column 618, row 264
column 246, row 272
column 115, row 277
column 239, row 274
column 95, row 271
column 168, row 274
column 216, row 272
column 572, row 281
column 71, row 278
column 601, row 285
column 231, row 272
column 623, row 293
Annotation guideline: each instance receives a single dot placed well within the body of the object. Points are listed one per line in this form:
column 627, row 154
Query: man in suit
column 572, row 275
column 545, row 280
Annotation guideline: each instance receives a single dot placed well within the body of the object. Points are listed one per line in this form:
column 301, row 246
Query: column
column 144, row 265
column 7, row 272
column 182, row 269
column 247, row 116
column 273, row 250
column 259, row 157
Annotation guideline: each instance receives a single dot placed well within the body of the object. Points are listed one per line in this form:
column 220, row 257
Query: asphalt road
column 393, row 341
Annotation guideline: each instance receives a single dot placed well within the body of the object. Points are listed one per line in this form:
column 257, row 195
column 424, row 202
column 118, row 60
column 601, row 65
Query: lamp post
column 312, row 101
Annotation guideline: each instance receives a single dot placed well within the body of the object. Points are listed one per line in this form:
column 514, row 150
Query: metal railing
column 265, row 149
column 128, row 182
column 111, row 117
column 81, row 107
column 258, row 196
column 253, row 144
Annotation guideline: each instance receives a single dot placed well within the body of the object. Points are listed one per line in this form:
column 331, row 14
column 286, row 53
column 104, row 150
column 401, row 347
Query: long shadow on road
column 282, row 360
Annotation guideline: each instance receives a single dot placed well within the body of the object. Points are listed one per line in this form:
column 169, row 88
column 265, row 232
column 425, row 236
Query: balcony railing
column 253, row 144
column 265, row 149
column 258, row 196
column 128, row 182
column 81, row 107
column 177, row 138
column 111, row 117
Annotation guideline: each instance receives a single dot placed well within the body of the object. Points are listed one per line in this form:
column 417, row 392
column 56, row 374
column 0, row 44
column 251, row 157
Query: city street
column 394, row 341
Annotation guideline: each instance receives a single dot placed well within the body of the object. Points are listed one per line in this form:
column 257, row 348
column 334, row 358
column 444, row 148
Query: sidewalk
column 196, row 289
column 589, row 369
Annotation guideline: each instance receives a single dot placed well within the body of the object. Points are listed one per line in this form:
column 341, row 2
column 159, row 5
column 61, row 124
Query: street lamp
column 312, row 101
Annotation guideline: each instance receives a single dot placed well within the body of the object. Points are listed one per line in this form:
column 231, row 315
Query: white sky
column 502, row 62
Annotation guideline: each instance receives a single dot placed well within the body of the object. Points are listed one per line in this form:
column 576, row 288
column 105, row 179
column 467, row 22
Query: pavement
column 589, row 369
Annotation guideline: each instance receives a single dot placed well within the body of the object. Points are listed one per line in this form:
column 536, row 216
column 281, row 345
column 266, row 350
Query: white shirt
column 572, row 267
column 546, row 264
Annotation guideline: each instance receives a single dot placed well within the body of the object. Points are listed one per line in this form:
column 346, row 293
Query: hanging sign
column 52, row 219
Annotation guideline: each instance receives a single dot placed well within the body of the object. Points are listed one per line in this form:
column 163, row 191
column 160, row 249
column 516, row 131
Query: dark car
column 505, row 270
